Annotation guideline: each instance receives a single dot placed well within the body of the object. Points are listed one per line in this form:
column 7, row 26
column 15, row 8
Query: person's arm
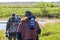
column 18, row 33
column 19, row 28
column 8, row 25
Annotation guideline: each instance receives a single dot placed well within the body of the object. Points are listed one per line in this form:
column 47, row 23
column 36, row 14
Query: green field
column 2, row 35
column 49, row 10
column 50, row 31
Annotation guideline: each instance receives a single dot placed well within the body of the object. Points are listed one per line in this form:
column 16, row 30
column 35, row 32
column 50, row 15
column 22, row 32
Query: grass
column 50, row 31
column 6, row 12
column 37, row 9
column 2, row 35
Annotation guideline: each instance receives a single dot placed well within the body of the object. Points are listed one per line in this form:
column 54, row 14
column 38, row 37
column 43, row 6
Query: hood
column 25, row 19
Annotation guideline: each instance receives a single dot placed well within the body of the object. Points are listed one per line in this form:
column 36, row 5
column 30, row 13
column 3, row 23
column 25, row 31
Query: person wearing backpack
column 18, row 35
column 29, row 28
column 11, row 27
column 18, row 18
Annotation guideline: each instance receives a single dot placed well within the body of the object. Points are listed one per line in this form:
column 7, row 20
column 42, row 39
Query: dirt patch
column 47, row 20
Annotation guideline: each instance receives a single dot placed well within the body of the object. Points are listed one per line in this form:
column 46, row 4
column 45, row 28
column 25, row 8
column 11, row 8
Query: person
column 11, row 27
column 29, row 28
column 18, row 18
column 17, row 33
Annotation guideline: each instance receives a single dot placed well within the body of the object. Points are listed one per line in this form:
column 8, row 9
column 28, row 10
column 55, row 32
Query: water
column 2, row 26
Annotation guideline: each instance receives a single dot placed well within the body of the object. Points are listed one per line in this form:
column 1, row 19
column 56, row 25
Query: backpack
column 13, row 25
column 32, row 23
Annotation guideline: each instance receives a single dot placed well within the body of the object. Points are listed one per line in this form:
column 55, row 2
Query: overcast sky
column 29, row 0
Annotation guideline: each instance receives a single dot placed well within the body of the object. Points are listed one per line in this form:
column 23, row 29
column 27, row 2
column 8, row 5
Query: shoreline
column 3, row 19
column 37, row 19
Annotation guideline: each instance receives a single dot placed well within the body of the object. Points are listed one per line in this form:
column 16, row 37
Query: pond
column 3, row 25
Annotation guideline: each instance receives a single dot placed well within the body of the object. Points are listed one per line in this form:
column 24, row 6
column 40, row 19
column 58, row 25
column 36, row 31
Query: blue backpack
column 32, row 20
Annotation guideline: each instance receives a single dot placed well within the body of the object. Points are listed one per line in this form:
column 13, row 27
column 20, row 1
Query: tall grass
column 50, row 32
column 2, row 35
column 49, row 10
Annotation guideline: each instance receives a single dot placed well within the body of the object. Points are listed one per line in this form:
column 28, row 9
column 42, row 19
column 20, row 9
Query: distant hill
column 18, row 2
column 25, row 2
column 56, row 2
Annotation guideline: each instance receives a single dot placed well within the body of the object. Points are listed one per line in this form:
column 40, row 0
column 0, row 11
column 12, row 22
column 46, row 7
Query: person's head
column 13, row 15
column 17, row 15
column 28, row 13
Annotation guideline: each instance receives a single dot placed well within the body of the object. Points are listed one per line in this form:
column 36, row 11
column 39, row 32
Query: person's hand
column 6, row 33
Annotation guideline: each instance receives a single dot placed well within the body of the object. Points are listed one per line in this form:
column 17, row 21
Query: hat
column 28, row 13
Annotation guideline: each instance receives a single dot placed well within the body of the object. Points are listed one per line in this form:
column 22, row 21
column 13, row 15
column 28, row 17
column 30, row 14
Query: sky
column 29, row 0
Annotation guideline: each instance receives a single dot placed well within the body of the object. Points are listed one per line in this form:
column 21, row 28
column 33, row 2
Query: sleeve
column 19, row 28
column 8, row 25
column 18, row 33
column 38, row 29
